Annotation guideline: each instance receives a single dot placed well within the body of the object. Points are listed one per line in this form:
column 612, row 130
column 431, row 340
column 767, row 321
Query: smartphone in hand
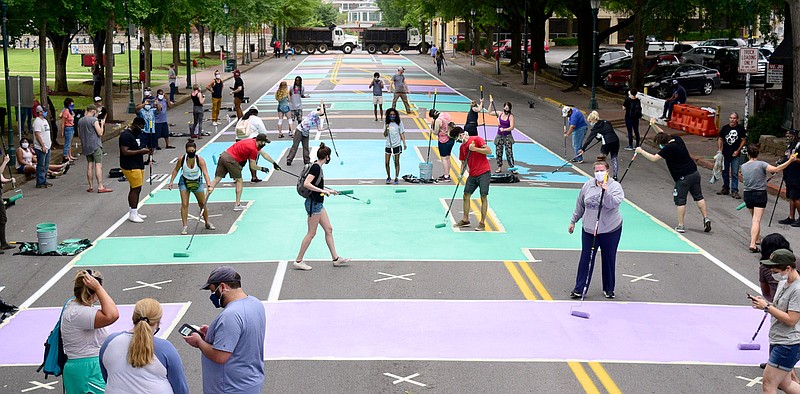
column 188, row 329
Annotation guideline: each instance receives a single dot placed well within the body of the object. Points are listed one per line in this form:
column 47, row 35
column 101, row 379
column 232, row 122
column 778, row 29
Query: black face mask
column 328, row 160
column 191, row 155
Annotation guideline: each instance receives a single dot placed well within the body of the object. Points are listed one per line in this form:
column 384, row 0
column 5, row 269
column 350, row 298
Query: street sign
column 748, row 60
column 775, row 73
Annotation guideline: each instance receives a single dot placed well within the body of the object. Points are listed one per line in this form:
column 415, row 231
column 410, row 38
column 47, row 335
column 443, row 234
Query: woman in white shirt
column 83, row 330
column 26, row 161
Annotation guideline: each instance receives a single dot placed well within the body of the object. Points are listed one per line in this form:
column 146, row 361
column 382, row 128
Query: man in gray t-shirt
column 90, row 130
column 400, row 89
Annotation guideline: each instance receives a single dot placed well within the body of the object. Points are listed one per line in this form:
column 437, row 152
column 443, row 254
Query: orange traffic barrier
column 693, row 120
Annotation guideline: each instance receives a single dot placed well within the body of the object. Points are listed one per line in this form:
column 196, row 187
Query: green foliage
column 464, row 46
column 703, row 35
column 565, row 41
column 326, row 14
column 766, row 122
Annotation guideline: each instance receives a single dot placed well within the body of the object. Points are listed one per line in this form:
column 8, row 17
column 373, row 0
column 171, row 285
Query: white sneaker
column 143, row 216
column 210, row 226
column 301, row 266
column 185, row 230
column 215, row 123
column 135, row 219
column 341, row 261
column 238, row 208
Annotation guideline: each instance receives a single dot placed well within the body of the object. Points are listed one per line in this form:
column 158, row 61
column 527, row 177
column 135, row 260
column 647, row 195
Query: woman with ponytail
column 136, row 361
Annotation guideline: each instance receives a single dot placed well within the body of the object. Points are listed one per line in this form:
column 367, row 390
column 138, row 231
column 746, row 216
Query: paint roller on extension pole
column 185, row 253
column 567, row 163
column 592, row 255
column 333, row 142
column 649, row 126
column 347, row 193
column 491, row 102
column 428, row 155
column 483, row 114
column 750, row 345
column 458, row 182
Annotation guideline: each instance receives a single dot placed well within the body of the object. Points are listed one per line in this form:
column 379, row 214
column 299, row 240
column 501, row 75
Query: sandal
column 104, row 190
column 755, row 250
column 280, row 135
column 90, row 190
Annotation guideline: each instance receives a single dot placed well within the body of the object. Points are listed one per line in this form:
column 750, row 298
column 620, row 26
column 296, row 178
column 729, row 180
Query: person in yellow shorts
column 131, row 160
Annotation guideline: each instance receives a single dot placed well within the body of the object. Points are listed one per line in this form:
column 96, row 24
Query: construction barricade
column 694, row 120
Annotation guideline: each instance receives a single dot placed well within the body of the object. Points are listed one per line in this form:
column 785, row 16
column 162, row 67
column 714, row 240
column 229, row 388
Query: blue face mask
column 216, row 299
column 71, row 106
column 44, row 114
column 661, row 146
column 147, row 107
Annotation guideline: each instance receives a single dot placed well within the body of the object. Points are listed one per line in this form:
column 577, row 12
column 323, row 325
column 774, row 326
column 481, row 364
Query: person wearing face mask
column 471, row 126
column 633, row 112
column 215, row 87
column 472, row 154
column 503, row 139
column 197, row 112
column 577, row 129
column 684, row 172
column 784, row 331
column 232, row 161
column 441, row 127
column 395, row 134
column 26, row 161
column 604, row 131
column 194, row 177
column 68, row 128
column 282, row 97
column 83, row 331
column 605, row 215
column 232, row 346
column 162, row 124
column 131, row 160
column 147, row 111
column 138, row 361
column 91, row 130
column 302, row 134
column 296, row 95
column 317, row 215
column 41, row 145
column 377, row 94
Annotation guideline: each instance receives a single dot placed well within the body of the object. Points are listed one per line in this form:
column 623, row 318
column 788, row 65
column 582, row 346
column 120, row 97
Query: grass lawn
column 25, row 62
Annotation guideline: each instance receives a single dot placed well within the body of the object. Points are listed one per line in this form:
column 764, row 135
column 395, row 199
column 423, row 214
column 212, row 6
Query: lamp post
column 225, row 10
column 472, row 36
column 10, row 145
column 525, row 56
column 131, row 105
column 595, row 8
column 497, row 55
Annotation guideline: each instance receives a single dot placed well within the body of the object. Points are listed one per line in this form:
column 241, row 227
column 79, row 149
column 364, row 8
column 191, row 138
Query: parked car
column 619, row 78
column 693, row 78
column 723, row 42
column 682, row 48
column 505, row 48
column 608, row 58
column 655, row 47
column 726, row 60
column 629, row 42
column 700, row 55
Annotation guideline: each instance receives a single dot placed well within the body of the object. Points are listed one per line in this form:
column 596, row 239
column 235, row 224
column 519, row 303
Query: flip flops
column 104, row 190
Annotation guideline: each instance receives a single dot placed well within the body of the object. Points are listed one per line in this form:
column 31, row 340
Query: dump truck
column 396, row 39
column 313, row 39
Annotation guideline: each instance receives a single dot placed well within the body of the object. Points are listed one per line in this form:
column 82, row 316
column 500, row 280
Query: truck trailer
column 312, row 39
column 396, row 39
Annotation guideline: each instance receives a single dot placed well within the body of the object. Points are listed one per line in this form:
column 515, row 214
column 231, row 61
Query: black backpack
column 636, row 109
column 301, row 180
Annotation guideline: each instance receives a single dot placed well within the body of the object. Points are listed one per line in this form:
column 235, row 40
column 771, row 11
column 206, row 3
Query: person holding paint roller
column 784, row 331
column 442, row 125
column 395, row 134
column 577, row 129
column 602, row 228
column 232, row 160
column 317, row 215
column 131, row 161
column 504, row 140
column 754, row 174
column 471, row 125
column 603, row 131
column 302, row 133
column 473, row 151
column 193, row 172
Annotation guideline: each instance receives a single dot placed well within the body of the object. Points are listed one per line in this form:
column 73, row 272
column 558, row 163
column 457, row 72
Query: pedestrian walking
column 472, row 154
column 231, row 162
column 68, row 128
column 131, row 161
column 633, row 112
column 172, row 77
column 215, row 87
column 282, row 97
column 317, row 215
column 377, row 95
column 302, row 134
column 440, row 62
column 603, row 131
column 577, row 129
column 395, row 137
column 91, row 130
column 684, row 172
column 400, row 89
column 730, row 142
column 598, row 208
column 296, row 95
column 197, row 112
column 194, row 178
column 504, row 140
column 791, row 176
column 237, row 91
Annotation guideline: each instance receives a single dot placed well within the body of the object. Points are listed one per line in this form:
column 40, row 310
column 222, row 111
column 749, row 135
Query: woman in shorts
column 26, row 161
column 282, row 96
column 317, row 215
column 754, row 173
column 441, row 128
column 395, row 135
column 471, row 125
column 784, row 331
column 193, row 173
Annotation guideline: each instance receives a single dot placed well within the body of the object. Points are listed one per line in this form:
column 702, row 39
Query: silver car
column 700, row 55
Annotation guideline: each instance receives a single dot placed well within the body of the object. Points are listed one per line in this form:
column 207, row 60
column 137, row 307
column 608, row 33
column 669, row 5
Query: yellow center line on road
column 335, row 72
column 577, row 368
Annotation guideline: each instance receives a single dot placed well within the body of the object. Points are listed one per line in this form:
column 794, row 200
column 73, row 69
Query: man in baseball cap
column 577, row 129
column 101, row 111
column 678, row 97
column 232, row 346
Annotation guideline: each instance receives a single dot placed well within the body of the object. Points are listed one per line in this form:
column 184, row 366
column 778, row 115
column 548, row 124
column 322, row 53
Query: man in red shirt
column 473, row 151
column 232, row 160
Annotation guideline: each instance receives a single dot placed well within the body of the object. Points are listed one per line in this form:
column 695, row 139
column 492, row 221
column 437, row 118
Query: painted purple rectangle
column 23, row 337
column 513, row 330
column 491, row 132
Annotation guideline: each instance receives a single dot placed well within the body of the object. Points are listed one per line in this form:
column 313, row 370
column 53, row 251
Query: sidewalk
column 550, row 89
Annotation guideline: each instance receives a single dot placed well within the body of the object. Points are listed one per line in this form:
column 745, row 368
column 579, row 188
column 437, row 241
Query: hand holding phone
column 188, row 329
column 750, row 297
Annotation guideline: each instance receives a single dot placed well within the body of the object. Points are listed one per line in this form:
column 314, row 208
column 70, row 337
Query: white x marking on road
column 751, row 382
column 390, row 276
column 37, row 385
column 145, row 284
column 405, row 379
column 643, row 277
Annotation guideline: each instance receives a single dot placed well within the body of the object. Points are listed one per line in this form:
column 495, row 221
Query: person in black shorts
column 791, row 176
column 684, row 173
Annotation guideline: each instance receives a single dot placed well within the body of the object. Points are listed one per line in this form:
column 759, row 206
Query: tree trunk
column 584, row 16
column 60, row 52
column 637, row 64
column 148, row 55
column 201, row 37
column 489, row 31
column 516, row 38
column 176, row 48
column 569, row 26
column 794, row 8
column 43, row 64
column 235, row 44
column 538, row 15
column 211, row 37
column 108, row 93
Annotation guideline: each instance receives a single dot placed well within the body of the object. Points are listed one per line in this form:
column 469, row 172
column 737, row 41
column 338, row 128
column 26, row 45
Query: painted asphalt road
column 399, row 267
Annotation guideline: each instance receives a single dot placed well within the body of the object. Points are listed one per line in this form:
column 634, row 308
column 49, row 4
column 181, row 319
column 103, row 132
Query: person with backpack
column 633, row 112
column 603, row 131
column 83, row 330
column 137, row 361
column 249, row 126
column 302, row 133
column 232, row 160
column 193, row 173
column 311, row 185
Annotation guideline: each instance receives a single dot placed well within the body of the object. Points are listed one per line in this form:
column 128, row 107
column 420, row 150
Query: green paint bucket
column 47, row 234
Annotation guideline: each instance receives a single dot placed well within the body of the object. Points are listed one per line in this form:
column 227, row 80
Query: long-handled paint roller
column 347, row 193
column 458, row 182
column 185, row 253
column 565, row 137
column 428, row 155
column 483, row 114
column 333, row 142
column 151, row 174
column 567, row 162
column 652, row 123
column 491, row 101
column 592, row 255
column 750, row 345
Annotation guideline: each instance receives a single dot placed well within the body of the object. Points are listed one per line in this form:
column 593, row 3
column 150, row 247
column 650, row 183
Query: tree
column 326, row 14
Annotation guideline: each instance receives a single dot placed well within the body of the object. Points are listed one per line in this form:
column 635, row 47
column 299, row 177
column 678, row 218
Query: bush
column 464, row 46
column 565, row 41
column 767, row 122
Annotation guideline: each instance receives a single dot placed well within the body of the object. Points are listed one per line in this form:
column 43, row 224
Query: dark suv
column 726, row 60
column 608, row 58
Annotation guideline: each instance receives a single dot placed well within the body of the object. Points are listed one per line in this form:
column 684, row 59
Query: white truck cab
column 340, row 39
